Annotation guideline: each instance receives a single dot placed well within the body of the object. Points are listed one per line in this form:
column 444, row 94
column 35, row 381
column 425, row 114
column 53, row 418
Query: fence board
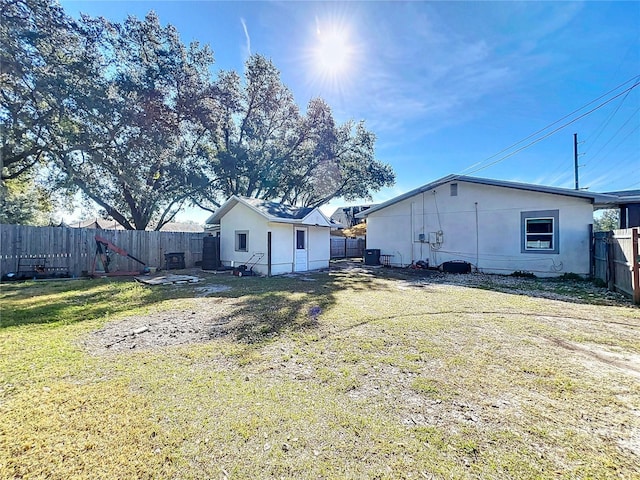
column 601, row 256
column 72, row 250
column 342, row 247
column 617, row 262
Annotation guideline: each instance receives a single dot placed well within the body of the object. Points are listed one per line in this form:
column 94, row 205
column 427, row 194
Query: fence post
column 635, row 262
column 611, row 270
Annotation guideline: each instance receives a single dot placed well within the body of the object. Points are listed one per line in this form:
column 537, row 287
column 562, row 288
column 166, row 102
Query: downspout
column 413, row 208
column 423, row 229
column 268, row 254
column 477, row 241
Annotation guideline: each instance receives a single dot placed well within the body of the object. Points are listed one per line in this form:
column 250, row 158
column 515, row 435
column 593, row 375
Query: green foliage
column 23, row 202
column 598, row 282
column 143, row 163
column 608, row 220
column 38, row 53
column 267, row 149
column 570, row 276
column 131, row 117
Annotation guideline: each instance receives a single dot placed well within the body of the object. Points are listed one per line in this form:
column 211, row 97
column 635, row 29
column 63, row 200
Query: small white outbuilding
column 271, row 237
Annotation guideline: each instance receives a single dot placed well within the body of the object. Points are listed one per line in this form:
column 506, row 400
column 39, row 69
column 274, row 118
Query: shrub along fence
column 60, row 251
column 617, row 261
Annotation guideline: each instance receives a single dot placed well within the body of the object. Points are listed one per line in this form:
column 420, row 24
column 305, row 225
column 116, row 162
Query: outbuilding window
column 539, row 231
column 242, row 240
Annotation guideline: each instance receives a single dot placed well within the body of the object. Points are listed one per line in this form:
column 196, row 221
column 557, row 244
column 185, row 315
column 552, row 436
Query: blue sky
column 445, row 86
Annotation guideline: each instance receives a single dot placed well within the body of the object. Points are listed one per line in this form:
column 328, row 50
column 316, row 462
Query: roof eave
column 593, row 197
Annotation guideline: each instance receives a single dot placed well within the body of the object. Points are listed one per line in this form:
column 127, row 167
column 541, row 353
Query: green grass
column 392, row 380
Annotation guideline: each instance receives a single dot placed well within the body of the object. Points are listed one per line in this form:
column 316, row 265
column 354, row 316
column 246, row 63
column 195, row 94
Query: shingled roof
column 273, row 211
column 279, row 210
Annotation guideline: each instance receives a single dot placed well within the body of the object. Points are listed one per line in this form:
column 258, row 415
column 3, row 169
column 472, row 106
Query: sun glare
column 333, row 52
column 333, row 55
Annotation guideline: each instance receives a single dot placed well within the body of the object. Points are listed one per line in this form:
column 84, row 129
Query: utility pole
column 575, row 158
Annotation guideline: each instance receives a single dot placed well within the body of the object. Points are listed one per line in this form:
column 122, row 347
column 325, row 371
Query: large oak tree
column 133, row 118
column 267, row 149
column 142, row 140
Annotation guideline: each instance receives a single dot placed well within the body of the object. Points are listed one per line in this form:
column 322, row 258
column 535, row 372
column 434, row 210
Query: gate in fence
column 347, row 247
column 617, row 261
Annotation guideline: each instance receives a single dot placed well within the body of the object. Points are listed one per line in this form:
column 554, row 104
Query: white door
column 301, row 250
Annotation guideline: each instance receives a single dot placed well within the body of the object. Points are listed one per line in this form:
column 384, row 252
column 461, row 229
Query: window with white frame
column 539, row 231
column 242, row 240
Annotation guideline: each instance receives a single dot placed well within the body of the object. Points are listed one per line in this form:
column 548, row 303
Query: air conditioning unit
column 421, row 237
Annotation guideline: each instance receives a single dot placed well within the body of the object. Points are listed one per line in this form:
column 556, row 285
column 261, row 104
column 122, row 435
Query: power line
column 632, row 79
column 550, row 133
column 620, row 161
column 600, row 129
column 616, row 134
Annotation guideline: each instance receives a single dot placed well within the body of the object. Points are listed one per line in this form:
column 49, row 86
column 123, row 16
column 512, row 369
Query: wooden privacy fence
column 64, row 250
column 342, row 247
column 617, row 261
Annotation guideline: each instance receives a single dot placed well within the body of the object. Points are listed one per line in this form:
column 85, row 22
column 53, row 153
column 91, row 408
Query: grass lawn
column 350, row 374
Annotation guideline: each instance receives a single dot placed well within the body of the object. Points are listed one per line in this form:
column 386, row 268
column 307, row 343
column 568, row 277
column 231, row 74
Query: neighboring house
column 101, row 224
column 628, row 204
column 182, row 227
column 497, row 226
column 96, row 223
column 345, row 217
column 276, row 238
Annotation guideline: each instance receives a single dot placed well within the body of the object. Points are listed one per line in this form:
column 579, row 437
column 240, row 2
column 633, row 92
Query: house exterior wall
column 630, row 215
column 243, row 219
column 482, row 225
column 319, row 245
column 282, row 245
column 315, row 218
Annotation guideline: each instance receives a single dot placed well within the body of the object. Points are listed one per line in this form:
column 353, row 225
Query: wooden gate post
column 635, row 265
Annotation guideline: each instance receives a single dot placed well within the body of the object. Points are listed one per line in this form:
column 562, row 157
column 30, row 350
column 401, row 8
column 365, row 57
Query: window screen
column 540, row 231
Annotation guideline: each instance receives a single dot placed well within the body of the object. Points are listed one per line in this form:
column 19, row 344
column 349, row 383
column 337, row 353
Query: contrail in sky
column 246, row 34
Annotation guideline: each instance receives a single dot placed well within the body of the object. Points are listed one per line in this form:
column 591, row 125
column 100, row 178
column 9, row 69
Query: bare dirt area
column 209, row 316
column 205, row 319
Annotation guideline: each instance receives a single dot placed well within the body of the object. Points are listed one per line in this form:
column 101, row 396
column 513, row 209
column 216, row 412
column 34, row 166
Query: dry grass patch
column 349, row 375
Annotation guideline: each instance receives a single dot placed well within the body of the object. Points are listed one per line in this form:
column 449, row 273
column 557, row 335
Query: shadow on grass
column 266, row 307
column 564, row 289
column 68, row 302
column 262, row 307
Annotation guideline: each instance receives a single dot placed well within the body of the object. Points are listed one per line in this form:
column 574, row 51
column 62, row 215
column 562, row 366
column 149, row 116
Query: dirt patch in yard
column 629, row 363
column 207, row 318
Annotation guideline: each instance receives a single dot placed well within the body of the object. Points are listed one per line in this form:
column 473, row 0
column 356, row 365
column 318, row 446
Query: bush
column 523, row 274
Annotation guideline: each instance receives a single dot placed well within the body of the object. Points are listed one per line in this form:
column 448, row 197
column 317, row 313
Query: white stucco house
column 496, row 226
column 277, row 238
